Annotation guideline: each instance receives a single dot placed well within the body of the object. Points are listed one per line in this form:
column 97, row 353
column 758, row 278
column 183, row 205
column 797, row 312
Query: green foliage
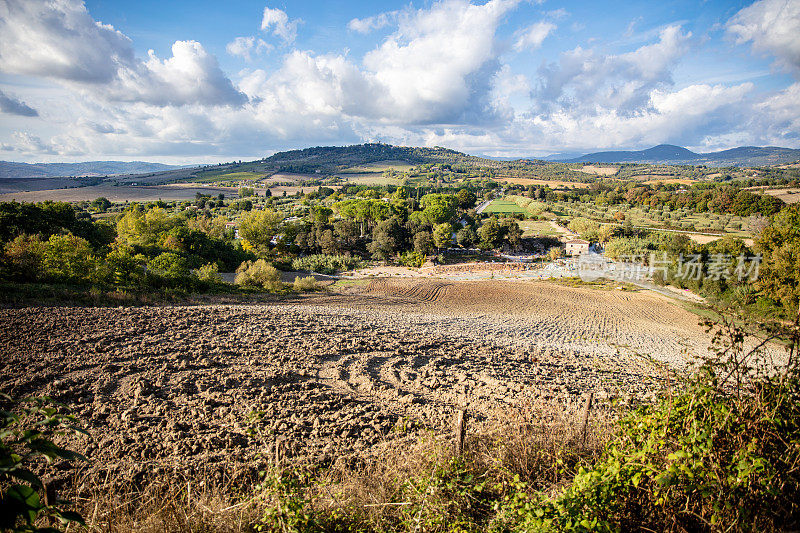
column 779, row 243
column 439, row 208
column 260, row 274
column 490, row 234
column 411, row 259
column 23, row 258
column 67, row 257
column 208, row 273
column 466, row 237
column 170, row 265
column 442, row 235
column 325, row 264
column 27, row 430
column 258, row 228
column 718, row 455
column 308, row 283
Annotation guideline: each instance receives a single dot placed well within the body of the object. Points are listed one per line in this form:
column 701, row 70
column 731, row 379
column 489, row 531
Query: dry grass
column 541, row 443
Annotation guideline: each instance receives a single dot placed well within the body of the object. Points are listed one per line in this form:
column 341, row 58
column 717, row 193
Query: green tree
column 259, row 227
column 779, row 244
column 439, row 208
column 490, row 233
column 170, row 265
column 466, row 237
column 423, row 242
column 442, row 235
column 68, row 257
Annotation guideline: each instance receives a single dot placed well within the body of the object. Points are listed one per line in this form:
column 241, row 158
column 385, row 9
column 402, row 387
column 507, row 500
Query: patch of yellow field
column 550, row 183
column 599, row 171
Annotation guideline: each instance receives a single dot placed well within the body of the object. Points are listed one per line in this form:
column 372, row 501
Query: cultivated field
column 121, row 193
column 170, row 388
column 597, row 171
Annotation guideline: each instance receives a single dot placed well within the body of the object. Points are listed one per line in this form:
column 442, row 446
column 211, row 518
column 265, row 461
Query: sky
column 194, row 82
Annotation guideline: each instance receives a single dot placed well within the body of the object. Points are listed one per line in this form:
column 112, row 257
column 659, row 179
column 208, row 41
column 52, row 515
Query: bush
column 308, row 283
column 259, row 273
column 23, row 257
column 325, row 264
column 411, row 259
column 69, row 258
column 170, row 265
column 720, row 455
column 208, row 273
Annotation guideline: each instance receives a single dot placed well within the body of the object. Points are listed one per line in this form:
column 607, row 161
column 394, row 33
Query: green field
column 502, row 205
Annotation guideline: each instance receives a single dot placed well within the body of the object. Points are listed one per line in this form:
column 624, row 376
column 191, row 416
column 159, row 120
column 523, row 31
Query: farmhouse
column 577, row 247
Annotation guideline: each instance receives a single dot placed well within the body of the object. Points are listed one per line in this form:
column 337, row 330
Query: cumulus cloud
column 60, row 40
column 278, row 22
column 583, row 78
column 369, row 24
column 534, row 35
column 12, row 106
column 773, row 26
column 247, row 47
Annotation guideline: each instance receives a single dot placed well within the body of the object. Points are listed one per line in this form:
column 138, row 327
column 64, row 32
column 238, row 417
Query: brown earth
column 335, row 375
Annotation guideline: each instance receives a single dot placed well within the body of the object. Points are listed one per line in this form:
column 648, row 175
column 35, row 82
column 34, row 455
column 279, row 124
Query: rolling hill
column 677, row 155
column 13, row 170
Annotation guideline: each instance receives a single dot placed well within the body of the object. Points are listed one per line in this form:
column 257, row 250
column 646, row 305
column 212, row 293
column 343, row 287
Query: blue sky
column 213, row 81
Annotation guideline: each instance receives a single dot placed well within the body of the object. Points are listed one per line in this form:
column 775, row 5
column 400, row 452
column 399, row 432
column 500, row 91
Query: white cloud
column 369, row 24
column 773, row 26
column 583, row 78
column 61, row 41
column 278, row 21
column 13, row 106
column 534, row 35
column 246, row 47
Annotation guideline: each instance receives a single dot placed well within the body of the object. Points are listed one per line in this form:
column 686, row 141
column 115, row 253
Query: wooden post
column 460, row 430
column 50, row 494
column 278, row 455
column 585, row 422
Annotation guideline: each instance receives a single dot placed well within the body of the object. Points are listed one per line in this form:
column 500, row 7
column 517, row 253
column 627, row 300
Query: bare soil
column 336, row 375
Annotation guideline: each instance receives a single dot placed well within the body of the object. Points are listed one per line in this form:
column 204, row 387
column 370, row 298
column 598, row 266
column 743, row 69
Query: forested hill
column 333, row 158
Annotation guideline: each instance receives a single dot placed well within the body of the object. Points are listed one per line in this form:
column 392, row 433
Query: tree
column 259, row 227
column 387, row 239
column 170, row 265
column 68, row 257
column 439, row 208
column 490, row 234
column 511, row 232
column 779, row 244
column 442, row 235
column 423, row 242
column 466, row 198
column 101, row 204
column 466, row 237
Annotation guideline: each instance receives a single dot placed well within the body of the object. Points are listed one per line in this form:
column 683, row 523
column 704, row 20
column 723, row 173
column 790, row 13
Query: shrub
column 208, row 273
column 412, row 259
column 67, row 257
column 170, row 265
column 308, row 283
column 23, row 257
column 325, row 264
column 259, row 273
column 720, row 455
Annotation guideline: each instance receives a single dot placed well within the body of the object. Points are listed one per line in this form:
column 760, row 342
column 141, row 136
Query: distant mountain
column 12, row 170
column 677, row 155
